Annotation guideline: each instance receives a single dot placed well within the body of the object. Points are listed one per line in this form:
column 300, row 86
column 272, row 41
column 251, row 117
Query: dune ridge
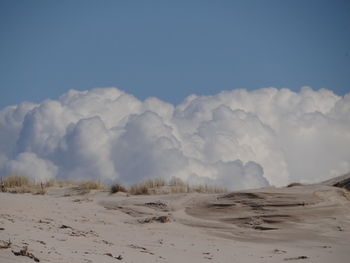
column 306, row 223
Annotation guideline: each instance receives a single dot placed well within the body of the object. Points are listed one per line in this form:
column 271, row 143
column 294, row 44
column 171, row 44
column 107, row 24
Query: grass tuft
column 15, row 180
column 14, row 183
column 139, row 189
column 174, row 185
column 87, row 186
column 115, row 188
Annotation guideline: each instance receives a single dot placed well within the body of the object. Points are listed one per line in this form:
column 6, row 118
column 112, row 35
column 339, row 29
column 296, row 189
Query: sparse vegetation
column 21, row 184
column 15, row 180
column 139, row 189
column 14, row 183
column 87, row 186
column 35, row 189
column 155, row 182
column 60, row 183
column 115, row 188
column 210, row 189
column 175, row 185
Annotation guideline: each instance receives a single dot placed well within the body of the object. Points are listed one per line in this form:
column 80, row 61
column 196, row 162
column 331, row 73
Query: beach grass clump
column 208, row 189
column 148, row 186
column 16, row 183
column 155, row 182
column 139, row 189
column 115, row 188
column 15, row 180
column 177, row 185
column 173, row 186
column 87, row 186
column 60, row 183
column 35, row 189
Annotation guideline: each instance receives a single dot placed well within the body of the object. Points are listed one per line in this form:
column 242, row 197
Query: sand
column 297, row 224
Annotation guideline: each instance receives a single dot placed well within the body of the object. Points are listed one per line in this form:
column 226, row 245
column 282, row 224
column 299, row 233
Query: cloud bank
column 236, row 138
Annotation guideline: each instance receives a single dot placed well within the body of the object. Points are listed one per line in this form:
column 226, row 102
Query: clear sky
column 171, row 49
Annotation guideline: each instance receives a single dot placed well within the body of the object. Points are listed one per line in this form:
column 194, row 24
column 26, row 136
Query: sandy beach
column 174, row 131
column 298, row 224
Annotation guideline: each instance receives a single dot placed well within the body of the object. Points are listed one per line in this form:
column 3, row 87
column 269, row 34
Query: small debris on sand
column 111, row 255
column 264, row 228
column 325, row 246
column 44, row 222
column 207, row 255
column 160, row 219
column 278, row 251
column 137, row 247
column 5, row 244
column 142, row 249
column 107, row 242
column 24, row 252
column 158, row 205
column 297, row 258
column 65, row 226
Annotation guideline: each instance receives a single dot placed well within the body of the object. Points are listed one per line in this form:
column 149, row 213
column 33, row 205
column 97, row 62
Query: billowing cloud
column 30, row 165
column 236, row 138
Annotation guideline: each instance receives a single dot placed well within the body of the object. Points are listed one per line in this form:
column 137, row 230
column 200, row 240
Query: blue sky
column 171, row 49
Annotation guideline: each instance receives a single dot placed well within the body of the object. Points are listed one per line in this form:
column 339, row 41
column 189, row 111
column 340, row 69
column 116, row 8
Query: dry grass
column 60, row 183
column 139, row 189
column 179, row 186
column 32, row 189
column 115, row 188
column 148, row 186
column 21, row 184
column 175, row 185
column 155, row 182
column 209, row 189
column 15, row 180
column 87, row 186
column 14, row 183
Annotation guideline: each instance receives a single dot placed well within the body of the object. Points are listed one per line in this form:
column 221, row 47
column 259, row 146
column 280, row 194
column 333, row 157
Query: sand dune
column 303, row 223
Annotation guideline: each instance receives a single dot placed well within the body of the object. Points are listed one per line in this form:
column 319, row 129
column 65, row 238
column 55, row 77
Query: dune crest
column 310, row 223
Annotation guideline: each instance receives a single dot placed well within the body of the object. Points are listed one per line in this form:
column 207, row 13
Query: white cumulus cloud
column 239, row 138
column 29, row 164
